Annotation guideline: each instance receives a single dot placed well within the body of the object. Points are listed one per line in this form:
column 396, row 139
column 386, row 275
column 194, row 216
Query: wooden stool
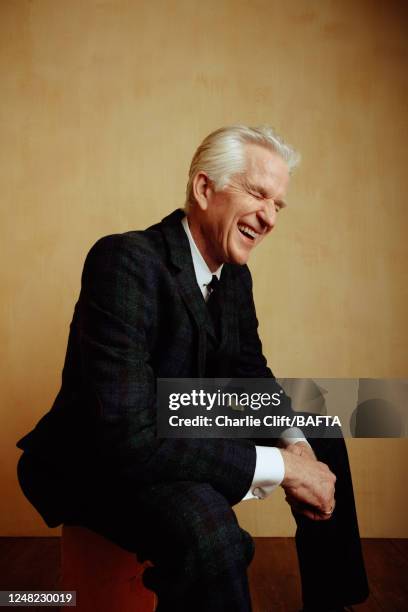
column 105, row 577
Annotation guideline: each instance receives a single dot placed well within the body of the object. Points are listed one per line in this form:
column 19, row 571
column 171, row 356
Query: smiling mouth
column 247, row 231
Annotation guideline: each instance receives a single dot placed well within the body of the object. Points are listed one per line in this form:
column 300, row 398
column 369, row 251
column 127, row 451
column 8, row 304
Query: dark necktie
column 213, row 304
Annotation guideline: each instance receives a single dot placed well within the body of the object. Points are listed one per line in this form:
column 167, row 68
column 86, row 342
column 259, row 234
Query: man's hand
column 303, row 449
column 308, row 483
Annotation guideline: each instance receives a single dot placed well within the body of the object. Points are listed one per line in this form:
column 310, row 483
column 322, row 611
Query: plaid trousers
column 199, row 552
column 188, row 531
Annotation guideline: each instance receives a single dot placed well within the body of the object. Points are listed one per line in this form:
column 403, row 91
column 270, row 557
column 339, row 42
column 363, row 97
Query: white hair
column 222, row 154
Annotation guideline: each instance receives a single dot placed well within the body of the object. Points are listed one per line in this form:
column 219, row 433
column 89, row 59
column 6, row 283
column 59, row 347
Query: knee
column 211, row 539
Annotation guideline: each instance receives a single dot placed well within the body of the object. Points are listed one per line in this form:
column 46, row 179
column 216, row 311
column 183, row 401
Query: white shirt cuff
column 269, row 472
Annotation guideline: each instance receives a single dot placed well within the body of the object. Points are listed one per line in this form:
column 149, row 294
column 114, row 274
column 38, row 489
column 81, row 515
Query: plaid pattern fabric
column 140, row 316
column 190, row 534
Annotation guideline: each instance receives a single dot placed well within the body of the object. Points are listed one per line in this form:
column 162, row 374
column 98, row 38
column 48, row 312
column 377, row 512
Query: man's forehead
column 262, row 159
column 266, row 169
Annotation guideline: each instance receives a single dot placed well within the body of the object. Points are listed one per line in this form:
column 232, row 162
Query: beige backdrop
column 102, row 104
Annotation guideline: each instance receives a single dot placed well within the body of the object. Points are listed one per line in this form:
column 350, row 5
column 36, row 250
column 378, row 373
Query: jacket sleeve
column 121, row 285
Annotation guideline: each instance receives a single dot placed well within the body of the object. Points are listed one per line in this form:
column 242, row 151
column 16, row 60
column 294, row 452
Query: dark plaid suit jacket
column 141, row 316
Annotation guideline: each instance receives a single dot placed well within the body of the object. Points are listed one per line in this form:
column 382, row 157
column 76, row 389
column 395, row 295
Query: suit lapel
column 227, row 304
column 181, row 260
column 180, row 257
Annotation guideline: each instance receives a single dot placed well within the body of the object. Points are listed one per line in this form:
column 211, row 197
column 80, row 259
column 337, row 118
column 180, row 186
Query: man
column 95, row 460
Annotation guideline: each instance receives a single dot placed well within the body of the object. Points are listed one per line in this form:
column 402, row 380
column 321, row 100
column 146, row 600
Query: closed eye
column 260, row 194
column 254, row 193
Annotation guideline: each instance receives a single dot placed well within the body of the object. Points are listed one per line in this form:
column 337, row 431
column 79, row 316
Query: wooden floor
column 34, row 564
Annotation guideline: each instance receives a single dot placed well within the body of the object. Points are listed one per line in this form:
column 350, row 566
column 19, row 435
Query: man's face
column 238, row 217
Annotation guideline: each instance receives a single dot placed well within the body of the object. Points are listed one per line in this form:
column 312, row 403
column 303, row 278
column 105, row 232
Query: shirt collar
column 202, row 271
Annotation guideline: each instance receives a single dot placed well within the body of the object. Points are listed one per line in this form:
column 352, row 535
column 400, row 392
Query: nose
column 267, row 215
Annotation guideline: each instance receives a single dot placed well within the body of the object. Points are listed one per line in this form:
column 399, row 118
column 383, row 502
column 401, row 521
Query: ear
column 202, row 189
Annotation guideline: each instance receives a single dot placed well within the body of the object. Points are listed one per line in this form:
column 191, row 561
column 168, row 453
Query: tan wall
column 102, row 104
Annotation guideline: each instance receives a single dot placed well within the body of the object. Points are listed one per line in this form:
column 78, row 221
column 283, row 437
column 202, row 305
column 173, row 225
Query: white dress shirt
column 270, row 468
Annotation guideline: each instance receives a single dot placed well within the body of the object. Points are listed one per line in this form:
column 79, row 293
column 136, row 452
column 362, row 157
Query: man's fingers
column 321, row 498
column 315, row 514
column 309, row 485
column 327, row 512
